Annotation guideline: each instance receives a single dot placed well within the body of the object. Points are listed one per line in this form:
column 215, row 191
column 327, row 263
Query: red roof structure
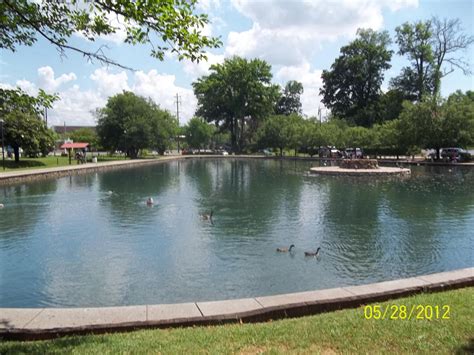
column 74, row 145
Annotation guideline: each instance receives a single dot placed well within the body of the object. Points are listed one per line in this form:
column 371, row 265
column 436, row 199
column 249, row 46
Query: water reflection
column 69, row 242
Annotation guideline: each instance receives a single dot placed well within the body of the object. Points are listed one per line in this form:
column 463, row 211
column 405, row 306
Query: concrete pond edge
column 48, row 323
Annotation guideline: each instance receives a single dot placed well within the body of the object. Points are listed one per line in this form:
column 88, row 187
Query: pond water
column 70, row 243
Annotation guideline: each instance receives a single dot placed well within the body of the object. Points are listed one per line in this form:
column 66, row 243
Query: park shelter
column 71, row 146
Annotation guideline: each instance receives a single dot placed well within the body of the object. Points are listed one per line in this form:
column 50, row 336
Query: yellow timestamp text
column 403, row 312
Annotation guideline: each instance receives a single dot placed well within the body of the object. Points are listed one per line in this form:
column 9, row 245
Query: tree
column 198, row 133
column 433, row 124
column 429, row 45
column 130, row 123
column 414, row 40
column 86, row 135
column 290, row 100
column 237, row 96
column 279, row 131
column 353, row 83
column 166, row 25
column 23, row 125
column 447, row 39
column 164, row 130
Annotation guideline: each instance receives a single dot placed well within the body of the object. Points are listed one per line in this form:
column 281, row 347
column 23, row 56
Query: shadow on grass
column 60, row 345
column 467, row 348
column 23, row 164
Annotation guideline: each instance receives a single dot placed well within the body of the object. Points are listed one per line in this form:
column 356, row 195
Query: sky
column 299, row 38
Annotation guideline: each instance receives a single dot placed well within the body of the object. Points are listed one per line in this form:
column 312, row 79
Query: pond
column 91, row 240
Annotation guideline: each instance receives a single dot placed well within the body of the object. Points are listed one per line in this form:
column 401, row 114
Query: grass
column 49, row 162
column 343, row 331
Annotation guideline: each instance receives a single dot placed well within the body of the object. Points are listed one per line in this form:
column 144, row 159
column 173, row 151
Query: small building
column 80, row 146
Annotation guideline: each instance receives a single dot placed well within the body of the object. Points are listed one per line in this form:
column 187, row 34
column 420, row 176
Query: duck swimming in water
column 310, row 253
column 150, row 201
column 285, row 250
column 207, row 217
column 2, row 205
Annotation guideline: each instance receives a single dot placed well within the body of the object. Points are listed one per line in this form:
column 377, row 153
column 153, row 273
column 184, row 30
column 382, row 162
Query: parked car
column 455, row 154
column 353, row 153
column 329, row 152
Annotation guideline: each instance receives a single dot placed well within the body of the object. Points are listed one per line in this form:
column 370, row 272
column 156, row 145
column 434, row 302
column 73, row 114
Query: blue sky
column 298, row 38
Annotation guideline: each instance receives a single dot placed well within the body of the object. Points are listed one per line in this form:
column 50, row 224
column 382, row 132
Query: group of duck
column 306, row 253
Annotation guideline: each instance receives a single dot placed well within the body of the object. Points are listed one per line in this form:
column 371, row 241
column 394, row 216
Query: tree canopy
column 166, row 25
column 198, row 133
column 237, row 96
column 23, row 125
column 353, row 83
column 430, row 45
column 290, row 100
column 130, row 123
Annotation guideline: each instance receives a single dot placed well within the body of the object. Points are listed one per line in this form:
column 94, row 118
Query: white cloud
column 47, row 81
column 76, row 107
column 288, row 32
column 162, row 89
column 206, row 5
column 311, row 80
column 195, row 70
column 27, row 86
column 110, row 84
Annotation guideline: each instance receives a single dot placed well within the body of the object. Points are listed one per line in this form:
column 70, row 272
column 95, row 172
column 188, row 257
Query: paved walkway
column 43, row 323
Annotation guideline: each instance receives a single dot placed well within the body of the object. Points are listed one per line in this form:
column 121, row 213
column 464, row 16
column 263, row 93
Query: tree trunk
column 16, row 151
column 437, row 153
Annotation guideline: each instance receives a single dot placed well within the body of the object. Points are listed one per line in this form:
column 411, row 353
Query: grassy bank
column 342, row 331
column 49, row 162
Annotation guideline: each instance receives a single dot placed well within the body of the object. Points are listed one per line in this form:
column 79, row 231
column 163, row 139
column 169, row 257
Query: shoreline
column 48, row 323
column 14, row 177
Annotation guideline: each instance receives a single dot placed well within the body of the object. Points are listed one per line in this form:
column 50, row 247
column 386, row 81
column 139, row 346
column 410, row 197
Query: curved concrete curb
column 46, row 323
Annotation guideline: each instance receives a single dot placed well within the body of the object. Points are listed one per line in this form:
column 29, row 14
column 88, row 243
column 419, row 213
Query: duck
column 310, row 253
column 207, row 217
column 2, row 205
column 150, row 201
column 285, row 250
column 109, row 192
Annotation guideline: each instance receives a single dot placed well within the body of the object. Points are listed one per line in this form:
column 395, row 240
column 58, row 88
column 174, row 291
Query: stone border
column 47, row 323
column 381, row 171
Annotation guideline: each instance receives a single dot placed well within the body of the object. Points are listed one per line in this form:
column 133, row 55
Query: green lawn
column 49, row 162
column 344, row 331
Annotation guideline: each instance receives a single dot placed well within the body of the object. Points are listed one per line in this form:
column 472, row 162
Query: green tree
column 432, row 124
column 25, row 130
column 352, row 85
column 130, row 123
column 164, row 129
column 166, row 25
column 237, row 96
column 86, row 135
column 430, row 45
column 414, row 41
column 280, row 132
column 290, row 100
column 23, row 125
column 198, row 133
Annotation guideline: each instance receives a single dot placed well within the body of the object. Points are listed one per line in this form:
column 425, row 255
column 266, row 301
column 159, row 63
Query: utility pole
column 178, row 101
column 46, row 116
column 319, row 114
